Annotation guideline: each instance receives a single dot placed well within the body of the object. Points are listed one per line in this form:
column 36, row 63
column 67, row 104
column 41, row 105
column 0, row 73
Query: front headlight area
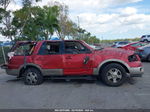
column 133, row 58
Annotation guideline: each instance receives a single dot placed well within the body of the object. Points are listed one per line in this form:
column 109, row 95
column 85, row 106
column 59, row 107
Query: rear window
column 21, row 48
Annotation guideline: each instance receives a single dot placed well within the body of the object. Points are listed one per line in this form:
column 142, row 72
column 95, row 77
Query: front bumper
column 136, row 71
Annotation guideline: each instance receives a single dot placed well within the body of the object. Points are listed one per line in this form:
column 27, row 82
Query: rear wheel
column 113, row 75
column 33, row 77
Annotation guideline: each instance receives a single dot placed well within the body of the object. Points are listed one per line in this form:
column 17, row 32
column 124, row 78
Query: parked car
column 120, row 44
column 145, row 38
column 71, row 59
column 144, row 52
column 133, row 46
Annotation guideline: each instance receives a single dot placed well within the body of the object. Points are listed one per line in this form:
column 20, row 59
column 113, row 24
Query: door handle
column 86, row 60
column 68, row 57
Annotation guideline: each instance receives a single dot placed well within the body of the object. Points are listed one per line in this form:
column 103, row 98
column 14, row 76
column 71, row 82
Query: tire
column 113, row 75
column 33, row 77
column 145, row 40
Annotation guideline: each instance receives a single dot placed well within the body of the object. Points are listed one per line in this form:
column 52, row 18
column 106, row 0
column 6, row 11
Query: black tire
column 113, row 75
column 33, row 77
column 145, row 40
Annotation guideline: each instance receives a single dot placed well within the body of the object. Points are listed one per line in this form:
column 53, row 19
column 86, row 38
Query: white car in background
column 145, row 38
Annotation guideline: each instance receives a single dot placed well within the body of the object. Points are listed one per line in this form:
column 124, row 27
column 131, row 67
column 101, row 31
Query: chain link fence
column 5, row 50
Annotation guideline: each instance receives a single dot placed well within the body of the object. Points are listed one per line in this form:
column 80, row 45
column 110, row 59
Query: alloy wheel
column 31, row 78
column 114, row 75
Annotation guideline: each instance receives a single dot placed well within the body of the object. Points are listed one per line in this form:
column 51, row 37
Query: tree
column 5, row 18
column 50, row 21
column 41, row 22
column 28, row 25
column 62, row 18
column 7, row 29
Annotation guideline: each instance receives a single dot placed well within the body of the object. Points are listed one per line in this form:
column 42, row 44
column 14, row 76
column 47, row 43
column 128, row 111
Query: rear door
column 49, row 58
column 17, row 54
column 77, row 59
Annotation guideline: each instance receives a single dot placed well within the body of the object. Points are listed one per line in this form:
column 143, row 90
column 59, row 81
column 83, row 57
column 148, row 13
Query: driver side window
column 74, row 48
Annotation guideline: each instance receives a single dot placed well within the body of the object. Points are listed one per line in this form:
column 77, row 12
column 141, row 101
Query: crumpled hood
column 117, row 52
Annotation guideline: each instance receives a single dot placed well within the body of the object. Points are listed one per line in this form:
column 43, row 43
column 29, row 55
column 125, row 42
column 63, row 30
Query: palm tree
column 50, row 21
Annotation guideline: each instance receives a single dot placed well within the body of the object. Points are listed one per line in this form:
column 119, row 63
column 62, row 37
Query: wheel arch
column 120, row 62
column 29, row 65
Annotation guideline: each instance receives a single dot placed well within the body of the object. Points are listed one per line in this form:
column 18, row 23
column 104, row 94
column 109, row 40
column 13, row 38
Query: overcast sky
column 107, row 19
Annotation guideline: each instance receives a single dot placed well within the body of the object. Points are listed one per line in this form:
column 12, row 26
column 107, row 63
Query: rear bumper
column 136, row 71
column 14, row 72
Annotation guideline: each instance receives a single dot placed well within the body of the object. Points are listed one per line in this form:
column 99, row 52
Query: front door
column 77, row 59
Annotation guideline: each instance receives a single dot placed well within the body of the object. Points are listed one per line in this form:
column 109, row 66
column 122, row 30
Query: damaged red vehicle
column 133, row 46
column 69, row 59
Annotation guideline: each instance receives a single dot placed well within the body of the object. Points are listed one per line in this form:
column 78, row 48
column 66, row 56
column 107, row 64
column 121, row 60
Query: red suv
column 71, row 59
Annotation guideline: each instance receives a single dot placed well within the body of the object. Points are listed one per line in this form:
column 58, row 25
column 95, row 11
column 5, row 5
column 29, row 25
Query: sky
column 107, row 19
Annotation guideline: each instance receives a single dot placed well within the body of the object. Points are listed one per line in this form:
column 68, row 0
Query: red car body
column 133, row 46
column 87, row 62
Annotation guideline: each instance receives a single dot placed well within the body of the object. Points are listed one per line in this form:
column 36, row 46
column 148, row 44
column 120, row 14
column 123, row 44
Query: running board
column 72, row 77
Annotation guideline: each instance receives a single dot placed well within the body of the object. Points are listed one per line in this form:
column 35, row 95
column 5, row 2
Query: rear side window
column 50, row 48
column 21, row 48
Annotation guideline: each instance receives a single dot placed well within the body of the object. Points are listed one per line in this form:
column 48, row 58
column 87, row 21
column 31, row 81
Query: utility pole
column 78, row 21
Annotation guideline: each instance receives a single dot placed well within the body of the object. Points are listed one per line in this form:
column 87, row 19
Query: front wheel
column 33, row 77
column 113, row 75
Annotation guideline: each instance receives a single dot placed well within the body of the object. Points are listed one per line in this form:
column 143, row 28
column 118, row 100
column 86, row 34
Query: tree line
column 40, row 23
